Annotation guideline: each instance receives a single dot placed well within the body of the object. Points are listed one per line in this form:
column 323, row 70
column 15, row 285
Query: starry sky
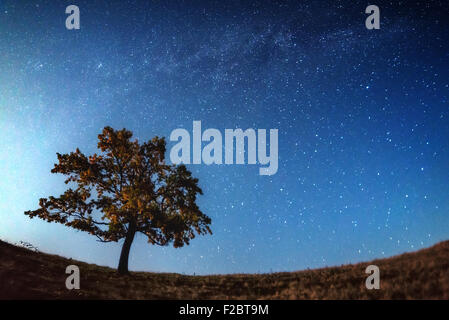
column 363, row 120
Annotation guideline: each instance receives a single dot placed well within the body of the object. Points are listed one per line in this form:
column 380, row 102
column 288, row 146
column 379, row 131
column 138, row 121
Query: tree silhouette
column 126, row 189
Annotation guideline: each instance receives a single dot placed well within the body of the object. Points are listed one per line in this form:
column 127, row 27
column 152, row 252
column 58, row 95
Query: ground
column 424, row 274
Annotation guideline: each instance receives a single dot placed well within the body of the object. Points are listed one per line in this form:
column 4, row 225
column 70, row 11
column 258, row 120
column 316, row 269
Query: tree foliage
column 126, row 189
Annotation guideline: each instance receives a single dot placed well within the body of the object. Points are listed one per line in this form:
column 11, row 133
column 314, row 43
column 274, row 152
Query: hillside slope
column 424, row 274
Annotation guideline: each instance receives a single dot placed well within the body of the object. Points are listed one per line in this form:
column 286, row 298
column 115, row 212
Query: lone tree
column 126, row 189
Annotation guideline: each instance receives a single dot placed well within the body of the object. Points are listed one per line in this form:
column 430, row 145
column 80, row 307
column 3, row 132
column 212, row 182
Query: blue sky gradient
column 363, row 120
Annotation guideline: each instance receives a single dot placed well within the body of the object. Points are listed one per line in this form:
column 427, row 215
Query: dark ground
column 424, row 274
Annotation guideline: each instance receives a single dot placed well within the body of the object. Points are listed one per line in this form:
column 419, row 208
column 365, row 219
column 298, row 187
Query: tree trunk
column 124, row 255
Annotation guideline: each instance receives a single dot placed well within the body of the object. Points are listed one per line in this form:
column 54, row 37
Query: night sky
column 363, row 120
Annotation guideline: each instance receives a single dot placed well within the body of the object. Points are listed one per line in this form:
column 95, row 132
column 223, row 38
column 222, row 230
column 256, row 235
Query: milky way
column 363, row 120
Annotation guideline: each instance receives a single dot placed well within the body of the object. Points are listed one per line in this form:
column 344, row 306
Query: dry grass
column 424, row 274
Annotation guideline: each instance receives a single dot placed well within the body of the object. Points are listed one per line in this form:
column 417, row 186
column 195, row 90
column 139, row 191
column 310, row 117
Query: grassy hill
column 424, row 274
